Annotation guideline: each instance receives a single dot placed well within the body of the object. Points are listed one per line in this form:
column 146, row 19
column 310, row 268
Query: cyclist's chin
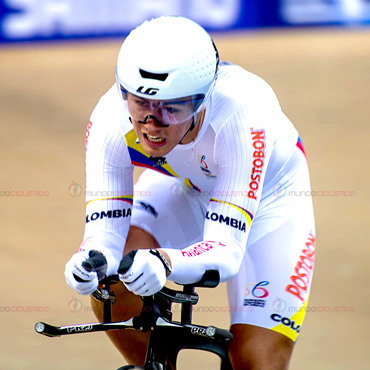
column 157, row 149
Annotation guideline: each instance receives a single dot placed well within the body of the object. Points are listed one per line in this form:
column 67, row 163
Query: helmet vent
column 153, row 76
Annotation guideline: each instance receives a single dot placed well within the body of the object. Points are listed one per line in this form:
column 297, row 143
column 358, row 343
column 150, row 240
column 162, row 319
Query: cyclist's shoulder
column 240, row 79
column 109, row 113
column 108, row 125
column 244, row 88
column 243, row 98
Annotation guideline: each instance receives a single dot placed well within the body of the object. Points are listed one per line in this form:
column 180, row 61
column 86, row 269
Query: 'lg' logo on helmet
column 148, row 91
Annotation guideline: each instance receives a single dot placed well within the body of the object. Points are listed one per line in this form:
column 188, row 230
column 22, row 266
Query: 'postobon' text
column 303, row 270
column 259, row 144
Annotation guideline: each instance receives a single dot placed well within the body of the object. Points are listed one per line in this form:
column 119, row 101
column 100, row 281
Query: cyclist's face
column 159, row 125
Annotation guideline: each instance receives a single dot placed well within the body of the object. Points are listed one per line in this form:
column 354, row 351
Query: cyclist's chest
column 194, row 162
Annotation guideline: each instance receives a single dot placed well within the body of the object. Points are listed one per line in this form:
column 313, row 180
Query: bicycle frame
column 167, row 337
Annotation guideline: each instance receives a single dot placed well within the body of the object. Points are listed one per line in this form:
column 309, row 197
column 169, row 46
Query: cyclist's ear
column 126, row 262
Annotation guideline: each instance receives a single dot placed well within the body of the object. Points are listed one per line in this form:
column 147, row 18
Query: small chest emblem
column 204, row 166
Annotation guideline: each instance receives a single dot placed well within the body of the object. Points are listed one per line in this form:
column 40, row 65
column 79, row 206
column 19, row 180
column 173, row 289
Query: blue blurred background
column 30, row 20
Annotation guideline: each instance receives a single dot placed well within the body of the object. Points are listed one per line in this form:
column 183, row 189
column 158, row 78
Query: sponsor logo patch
column 204, row 167
column 258, row 292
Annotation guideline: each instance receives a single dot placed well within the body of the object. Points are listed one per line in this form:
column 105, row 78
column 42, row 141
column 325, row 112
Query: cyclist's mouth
column 154, row 140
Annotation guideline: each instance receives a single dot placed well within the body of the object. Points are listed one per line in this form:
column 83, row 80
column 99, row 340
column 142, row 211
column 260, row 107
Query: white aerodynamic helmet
column 168, row 58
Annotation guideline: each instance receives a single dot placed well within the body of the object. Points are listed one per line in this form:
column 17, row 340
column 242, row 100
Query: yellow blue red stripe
column 190, row 184
column 296, row 320
column 141, row 159
column 245, row 212
column 124, row 198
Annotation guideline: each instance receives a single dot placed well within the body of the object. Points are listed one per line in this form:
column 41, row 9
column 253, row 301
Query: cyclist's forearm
column 189, row 264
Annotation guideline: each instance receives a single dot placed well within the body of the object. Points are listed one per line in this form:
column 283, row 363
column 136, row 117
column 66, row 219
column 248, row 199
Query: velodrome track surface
column 322, row 79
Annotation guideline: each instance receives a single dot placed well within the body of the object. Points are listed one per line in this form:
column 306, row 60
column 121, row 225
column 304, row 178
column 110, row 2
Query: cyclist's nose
column 153, row 120
column 154, row 113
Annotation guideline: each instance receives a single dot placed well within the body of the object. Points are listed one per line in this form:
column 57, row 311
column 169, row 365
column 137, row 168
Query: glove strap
column 163, row 260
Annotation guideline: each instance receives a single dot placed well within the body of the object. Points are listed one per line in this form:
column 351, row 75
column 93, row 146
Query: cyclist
column 223, row 164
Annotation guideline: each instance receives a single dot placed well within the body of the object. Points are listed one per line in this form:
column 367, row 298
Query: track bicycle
column 167, row 337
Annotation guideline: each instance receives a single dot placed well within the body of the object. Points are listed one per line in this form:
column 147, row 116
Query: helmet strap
column 197, row 119
column 191, row 128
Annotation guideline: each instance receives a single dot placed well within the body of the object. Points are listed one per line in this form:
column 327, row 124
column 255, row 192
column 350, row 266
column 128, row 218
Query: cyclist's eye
column 172, row 110
column 140, row 103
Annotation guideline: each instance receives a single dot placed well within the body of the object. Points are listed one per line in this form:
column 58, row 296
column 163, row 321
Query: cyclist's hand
column 84, row 270
column 142, row 272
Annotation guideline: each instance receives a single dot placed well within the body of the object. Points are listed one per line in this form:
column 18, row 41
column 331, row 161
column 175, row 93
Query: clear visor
column 166, row 112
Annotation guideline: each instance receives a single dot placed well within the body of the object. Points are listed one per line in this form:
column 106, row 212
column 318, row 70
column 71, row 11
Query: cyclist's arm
column 109, row 186
column 242, row 152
